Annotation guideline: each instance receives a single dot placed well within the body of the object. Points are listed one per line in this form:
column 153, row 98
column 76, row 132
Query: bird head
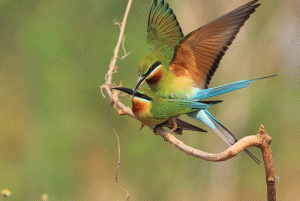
column 142, row 101
column 140, row 94
column 150, row 69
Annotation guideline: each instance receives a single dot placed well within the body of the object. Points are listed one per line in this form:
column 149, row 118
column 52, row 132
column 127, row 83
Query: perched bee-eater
column 153, row 110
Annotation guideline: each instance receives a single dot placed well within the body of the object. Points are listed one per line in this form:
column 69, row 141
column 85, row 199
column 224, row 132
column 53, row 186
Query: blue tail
column 224, row 133
column 209, row 120
column 206, row 93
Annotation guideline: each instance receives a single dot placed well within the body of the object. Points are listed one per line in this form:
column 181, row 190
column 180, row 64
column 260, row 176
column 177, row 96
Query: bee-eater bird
column 153, row 110
column 182, row 66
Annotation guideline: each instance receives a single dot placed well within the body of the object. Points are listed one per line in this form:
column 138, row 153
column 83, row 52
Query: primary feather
column 163, row 29
column 199, row 53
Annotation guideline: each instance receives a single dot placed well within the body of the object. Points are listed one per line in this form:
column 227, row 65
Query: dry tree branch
column 119, row 158
column 262, row 140
column 114, row 96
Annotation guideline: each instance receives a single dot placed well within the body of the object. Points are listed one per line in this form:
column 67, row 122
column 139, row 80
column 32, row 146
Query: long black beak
column 138, row 83
column 126, row 90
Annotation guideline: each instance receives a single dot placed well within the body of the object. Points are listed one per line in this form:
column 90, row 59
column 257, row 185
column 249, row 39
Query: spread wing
column 199, row 53
column 163, row 29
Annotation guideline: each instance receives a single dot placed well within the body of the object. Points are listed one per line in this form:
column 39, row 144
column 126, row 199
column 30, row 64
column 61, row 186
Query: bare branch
column 262, row 140
column 124, row 50
column 114, row 96
column 268, row 161
column 117, row 48
column 233, row 150
column 119, row 157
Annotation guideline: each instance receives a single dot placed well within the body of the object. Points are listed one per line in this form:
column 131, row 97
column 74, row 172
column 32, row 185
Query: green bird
column 181, row 67
column 153, row 110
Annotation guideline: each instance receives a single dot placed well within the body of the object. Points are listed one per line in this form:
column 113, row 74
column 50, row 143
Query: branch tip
column 261, row 129
column 121, row 112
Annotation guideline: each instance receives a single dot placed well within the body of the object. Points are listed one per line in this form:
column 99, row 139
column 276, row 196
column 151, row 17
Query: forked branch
column 261, row 140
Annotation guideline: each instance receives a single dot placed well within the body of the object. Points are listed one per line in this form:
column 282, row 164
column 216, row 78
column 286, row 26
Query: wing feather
column 175, row 107
column 199, row 53
column 163, row 29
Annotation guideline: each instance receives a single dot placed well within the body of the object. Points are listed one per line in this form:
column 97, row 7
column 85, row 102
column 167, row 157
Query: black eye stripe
column 143, row 96
column 154, row 66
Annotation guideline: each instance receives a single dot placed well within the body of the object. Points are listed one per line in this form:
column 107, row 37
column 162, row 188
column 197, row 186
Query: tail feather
column 222, row 131
column 178, row 131
column 206, row 93
column 263, row 78
column 227, row 136
column 252, row 156
column 210, row 102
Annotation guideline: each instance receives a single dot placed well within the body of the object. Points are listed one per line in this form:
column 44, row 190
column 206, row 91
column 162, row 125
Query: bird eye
column 143, row 95
column 151, row 67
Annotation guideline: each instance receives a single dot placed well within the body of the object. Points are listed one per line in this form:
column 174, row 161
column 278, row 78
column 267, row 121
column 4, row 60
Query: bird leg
column 172, row 120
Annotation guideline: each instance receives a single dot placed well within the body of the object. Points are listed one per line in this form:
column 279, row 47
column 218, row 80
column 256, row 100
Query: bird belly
column 148, row 120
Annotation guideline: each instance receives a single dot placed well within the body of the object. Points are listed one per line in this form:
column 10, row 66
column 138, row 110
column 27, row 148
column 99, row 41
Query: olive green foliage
column 55, row 136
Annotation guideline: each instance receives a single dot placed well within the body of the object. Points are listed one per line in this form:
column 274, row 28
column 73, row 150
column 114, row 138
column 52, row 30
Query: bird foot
column 160, row 126
column 156, row 127
column 165, row 136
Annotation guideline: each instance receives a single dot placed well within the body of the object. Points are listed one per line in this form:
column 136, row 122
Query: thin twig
column 124, row 50
column 117, row 48
column 119, row 156
column 114, row 96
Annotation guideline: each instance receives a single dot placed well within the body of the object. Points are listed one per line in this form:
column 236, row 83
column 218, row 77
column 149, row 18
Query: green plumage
column 163, row 29
column 161, row 108
column 151, row 109
column 182, row 67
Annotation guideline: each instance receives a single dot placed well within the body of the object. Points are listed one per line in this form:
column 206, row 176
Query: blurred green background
column 55, row 135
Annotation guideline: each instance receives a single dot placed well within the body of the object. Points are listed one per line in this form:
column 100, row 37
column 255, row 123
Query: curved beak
column 138, row 83
column 126, row 90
